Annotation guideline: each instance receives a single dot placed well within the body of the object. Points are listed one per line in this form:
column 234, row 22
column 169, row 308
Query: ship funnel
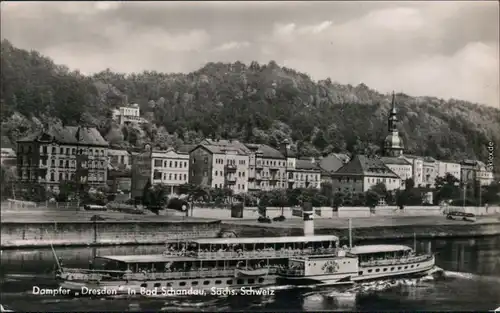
column 308, row 217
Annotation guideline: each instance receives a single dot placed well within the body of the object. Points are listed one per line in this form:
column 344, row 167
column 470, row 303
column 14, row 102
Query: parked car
column 280, row 218
column 461, row 216
column 264, row 219
column 178, row 204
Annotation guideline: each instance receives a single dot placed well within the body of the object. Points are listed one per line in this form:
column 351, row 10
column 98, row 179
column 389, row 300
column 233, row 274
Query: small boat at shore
column 5, row 309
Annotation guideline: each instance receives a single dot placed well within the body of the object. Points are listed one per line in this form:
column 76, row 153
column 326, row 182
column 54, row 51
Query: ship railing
column 261, row 253
column 178, row 275
column 415, row 259
column 290, row 272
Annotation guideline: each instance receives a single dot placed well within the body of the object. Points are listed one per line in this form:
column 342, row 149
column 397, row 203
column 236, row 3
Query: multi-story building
column 449, row 168
column 266, row 169
column 472, row 170
column 362, row 173
column 170, row 168
column 63, row 153
column 119, row 159
column 417, row 164
column 400, row 166
column 221, row 164
column 304, row 173
column 430, row 171
column 128, row 114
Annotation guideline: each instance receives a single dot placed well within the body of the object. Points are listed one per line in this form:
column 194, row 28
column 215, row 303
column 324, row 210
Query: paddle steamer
column 214, row 264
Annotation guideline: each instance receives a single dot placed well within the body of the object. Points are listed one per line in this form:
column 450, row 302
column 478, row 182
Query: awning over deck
column 264, row 240
column 378, row 249
column 151, row 258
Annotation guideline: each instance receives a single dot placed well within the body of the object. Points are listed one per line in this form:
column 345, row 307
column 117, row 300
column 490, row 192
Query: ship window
column 377, row 270
column 406, row 267
column 261, row 280
column 418, row 265
column 206, row 282
column 392, row 268
column 399, row 267
column 240, row 281
column 385, row 270
column 370, row 270
column 360, row 272
column 182, row 283
column 229, row 282
column 144, row 285
column 169, row 284
column 194, row 283
column 411, row 266
column 218, row 282
column 251, row 281
column 157, row 285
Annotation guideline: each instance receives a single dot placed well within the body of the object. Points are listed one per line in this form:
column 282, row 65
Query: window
column 157, row 285
column 261, row 280
column 185, row 177
column 194, row 283
column 406, row 267
column 144, row 285
column 240, row 281
column 175, row 165
column 182, row 283
column 169, row 176
column 53, row 150
column 360, row 273
column 60, row 176
column 157, row 163
column 370, row 270
column 44, row 149
column 218, row 282
column 61, row 150
column 170, row 164
column 392, row 268
column 229, row 282
column 377, row 270
column 206, row 282
column 205, row 160
column 175, row 176
column 251, row 281
column 52, row 178
column 385, row 269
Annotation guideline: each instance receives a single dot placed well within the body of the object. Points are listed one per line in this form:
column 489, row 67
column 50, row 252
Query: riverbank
column 372, row 227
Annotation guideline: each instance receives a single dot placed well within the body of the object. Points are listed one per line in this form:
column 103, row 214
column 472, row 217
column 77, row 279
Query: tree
column 371, row 200
column 491, row 194
column 338, row 200
column 146, row 194
column 157, row 198
column 447, row 188
column 194, row 193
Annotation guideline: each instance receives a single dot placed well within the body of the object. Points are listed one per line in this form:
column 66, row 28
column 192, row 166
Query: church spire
column 393, row 110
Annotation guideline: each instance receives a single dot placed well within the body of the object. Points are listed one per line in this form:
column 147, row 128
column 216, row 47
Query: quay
column 39, row 228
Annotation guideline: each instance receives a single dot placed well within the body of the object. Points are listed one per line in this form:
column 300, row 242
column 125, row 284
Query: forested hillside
column 254, row 103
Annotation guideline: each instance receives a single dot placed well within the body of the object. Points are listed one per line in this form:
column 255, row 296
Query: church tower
column 393, row 145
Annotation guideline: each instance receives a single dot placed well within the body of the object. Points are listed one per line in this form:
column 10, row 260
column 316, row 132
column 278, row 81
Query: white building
column 417, row 164
column 476, row 170
column 449, row 168
column 362, row 173
column 400, row 166
column 129, row 114
column 170, row 168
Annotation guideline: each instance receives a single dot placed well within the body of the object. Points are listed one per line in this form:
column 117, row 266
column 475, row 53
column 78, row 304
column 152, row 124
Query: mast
column 350, row 233
column 415, row 242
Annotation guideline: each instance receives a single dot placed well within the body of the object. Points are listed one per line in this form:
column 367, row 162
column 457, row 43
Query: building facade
column 430, row 171
column 266, row 169
column 472, row 170
column 220, row 166
column 63, row 153
column 170, row 168
column 304, row 173
column 400, row 166
column 128, row 114
column 119, row 159
column 362, row 173
column 449, row 168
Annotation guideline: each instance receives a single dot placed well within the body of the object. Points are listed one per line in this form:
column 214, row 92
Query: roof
column 289, row 239
column 69, row 135
column 265, row 150
column 6, row 143
column 333, row 162
column 395, row 161
column 306, row 165
column 366, row 166
column 216, row 149
column 226, row 144
column 186, row 148
column 365, row 249
column 145, row 258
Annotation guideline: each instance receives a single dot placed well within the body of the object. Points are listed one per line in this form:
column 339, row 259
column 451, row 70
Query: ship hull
column 164, row 287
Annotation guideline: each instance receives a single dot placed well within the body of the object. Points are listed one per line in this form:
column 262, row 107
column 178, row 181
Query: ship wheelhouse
column 371, row 253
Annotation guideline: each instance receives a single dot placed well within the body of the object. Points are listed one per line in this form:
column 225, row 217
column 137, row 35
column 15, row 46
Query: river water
column 472, row 283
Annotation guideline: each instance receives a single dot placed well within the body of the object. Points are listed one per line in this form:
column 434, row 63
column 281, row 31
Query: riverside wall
column 348, row 212
column 102, row 233
column 374, row 232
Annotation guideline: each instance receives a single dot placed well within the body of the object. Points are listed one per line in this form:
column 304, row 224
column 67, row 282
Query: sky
column 445, row 49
